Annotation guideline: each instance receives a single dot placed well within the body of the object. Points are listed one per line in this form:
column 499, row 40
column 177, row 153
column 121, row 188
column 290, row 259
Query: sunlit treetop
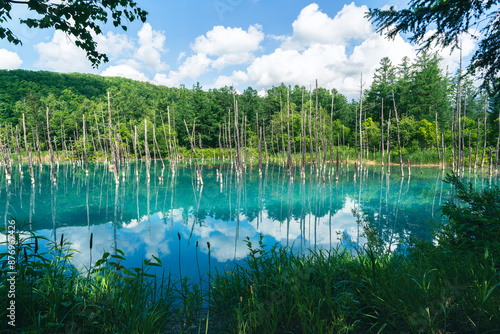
column 443, row 22
column 77, row 18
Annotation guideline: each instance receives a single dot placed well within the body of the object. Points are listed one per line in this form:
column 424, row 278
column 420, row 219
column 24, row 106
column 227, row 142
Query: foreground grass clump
column 451, row 287
column 52, row 296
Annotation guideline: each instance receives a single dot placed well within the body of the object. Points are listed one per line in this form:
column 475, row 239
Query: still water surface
column 143, row 219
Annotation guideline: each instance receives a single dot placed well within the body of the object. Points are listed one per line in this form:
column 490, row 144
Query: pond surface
column 144, row 219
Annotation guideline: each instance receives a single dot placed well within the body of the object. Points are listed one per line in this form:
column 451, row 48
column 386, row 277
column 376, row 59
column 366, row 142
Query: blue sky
column 229, row 42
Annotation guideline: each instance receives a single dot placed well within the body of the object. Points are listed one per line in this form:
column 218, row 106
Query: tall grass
column 426, row 288
column 53, row 296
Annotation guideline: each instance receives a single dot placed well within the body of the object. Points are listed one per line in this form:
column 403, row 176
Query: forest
column 437, row 110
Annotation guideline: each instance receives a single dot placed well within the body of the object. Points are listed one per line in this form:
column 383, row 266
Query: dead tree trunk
column 85, row 147
column 459, row 107
column 28, row 153
column 491, row 159
column 38, row 146
column 263, row 127
column 360, row 123
column 135, row 152
column 52, row 164
column 470, row 154
column 18, row 151
column 311, row 154
column 8, row 176
column 220, row 144
column 158, row 148
column 316, row 130
column 121, row 151
column 282, row 132
column 112, row 146
column 229, row 139
column 146, row 151
column 167, row 142
column 338, row 144
column 382, row 133
column 477, row 146
column 389, row 143
column 498, row 144
column 302, row 139
column 442, row 148
column 259, row 143
column 289, row 156
column 437, row 138
column 237, row 141
column 484, row 145
column 98, row 134
column 331, row 135
column 194, row 151
column 399, row 141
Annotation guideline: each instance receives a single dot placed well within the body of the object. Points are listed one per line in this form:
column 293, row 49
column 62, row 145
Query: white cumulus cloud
column 124, row 71
column 150, row 48
column 236, row 78
column 314, row 26
column 62, row 55
column 113, row 45
column 231, row 46
column 334, row 50
column 9, row 60
column 193, row 67
column 221, row 41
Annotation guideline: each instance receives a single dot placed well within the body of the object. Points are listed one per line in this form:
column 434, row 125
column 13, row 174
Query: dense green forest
column 422, row 94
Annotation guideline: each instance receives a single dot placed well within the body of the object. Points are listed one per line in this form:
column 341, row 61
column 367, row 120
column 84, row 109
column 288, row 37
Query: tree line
column 431, row 104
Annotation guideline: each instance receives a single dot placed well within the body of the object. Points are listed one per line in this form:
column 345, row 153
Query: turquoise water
column 144, row 219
